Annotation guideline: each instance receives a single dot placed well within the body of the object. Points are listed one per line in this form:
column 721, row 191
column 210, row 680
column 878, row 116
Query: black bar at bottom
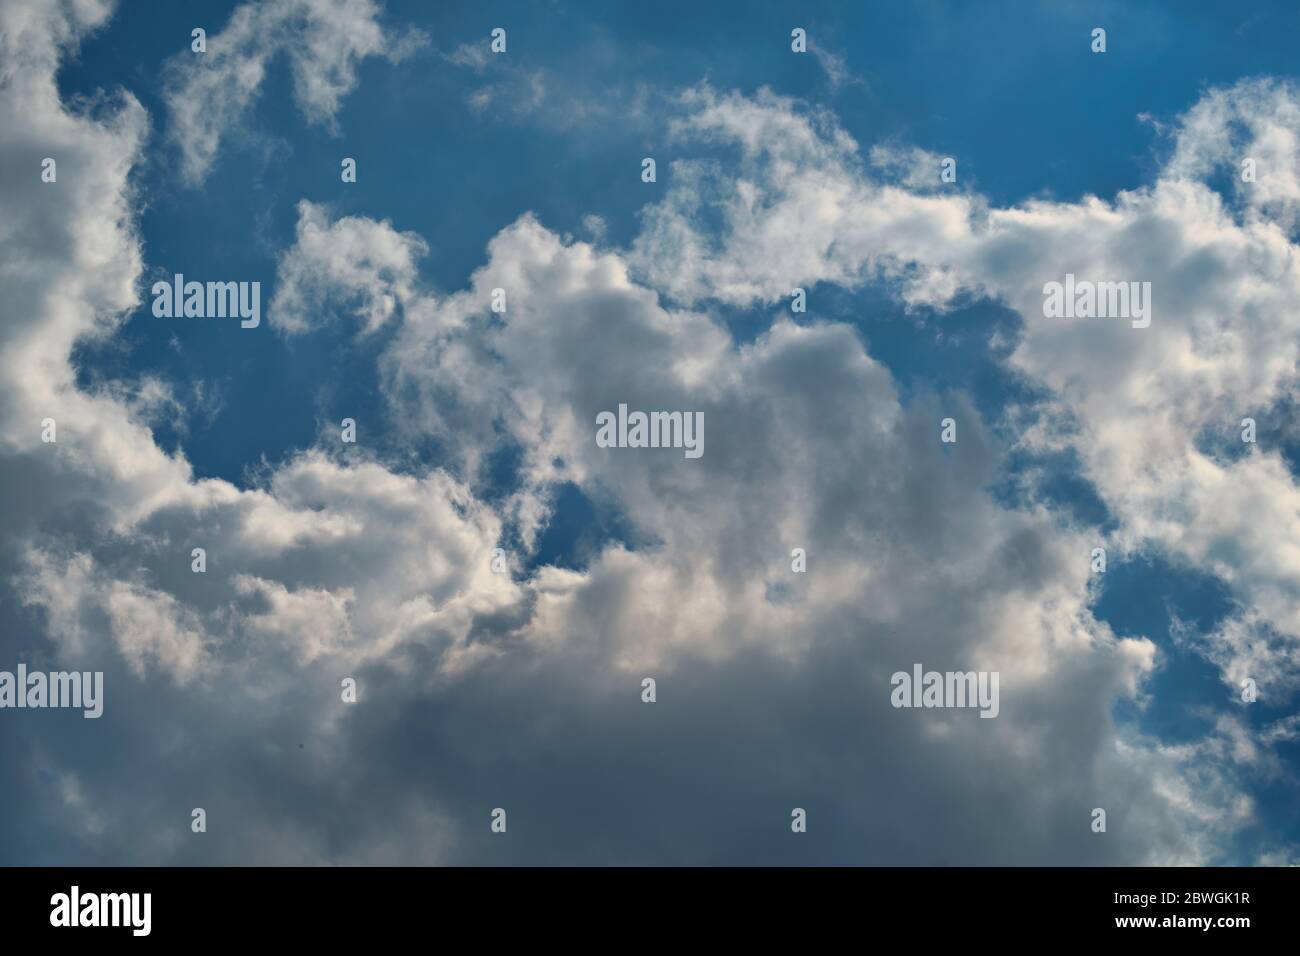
column 211, row 905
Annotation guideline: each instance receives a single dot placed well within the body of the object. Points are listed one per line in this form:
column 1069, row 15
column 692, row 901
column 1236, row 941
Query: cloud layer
column 480, row 689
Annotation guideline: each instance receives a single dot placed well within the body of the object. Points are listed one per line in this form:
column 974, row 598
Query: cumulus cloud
column 480, row 689
column 148, row 627
column 1251, row 131
column 1222, row 344
column 375, row 267
column 912, row 561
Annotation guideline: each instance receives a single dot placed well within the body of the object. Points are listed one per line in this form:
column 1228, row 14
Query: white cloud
column 150, row 628
column 374, row 265
column 339, row 565
column 472, row 55
column 1259, row 121
column 1222, row 344
column 907, row 557
column 209, row 93
column 837, row 71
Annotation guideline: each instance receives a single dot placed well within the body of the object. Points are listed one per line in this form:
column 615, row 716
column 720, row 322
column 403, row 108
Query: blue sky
column 775, row 169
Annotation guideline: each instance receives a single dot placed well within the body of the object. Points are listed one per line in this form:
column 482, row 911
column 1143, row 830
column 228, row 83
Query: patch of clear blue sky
column 1010, row 89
